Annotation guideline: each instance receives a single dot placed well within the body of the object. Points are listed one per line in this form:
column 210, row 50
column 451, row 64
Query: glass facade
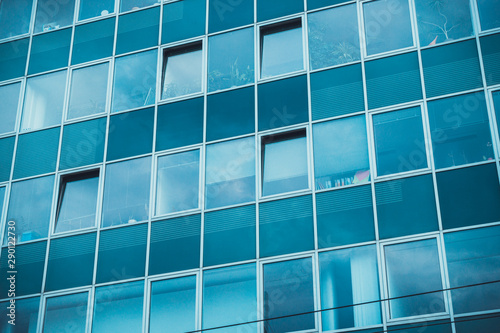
column 250, row 166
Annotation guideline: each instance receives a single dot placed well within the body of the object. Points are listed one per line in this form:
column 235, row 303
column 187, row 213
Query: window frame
column 493, row 121
column 20, row 102
column 42, row 313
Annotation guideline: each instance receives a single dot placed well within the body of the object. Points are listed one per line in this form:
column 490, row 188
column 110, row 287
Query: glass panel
column 29, row 207
column 440, row 21
column 271, row 9
column 314, row 4
column 281, row 49
column 13, row 58
column 487, row 13
column 173, row 305
column 93, row 41
column 473, row 258
column 460, row 130
column 333, row 37
column 341, row 153
column 179, row 124
column 50, row 51
column 230, row 173
column 485, row 324
column 178, row 183
column 126, row 192
column 230, row 59
column 227, row 14
column 126, row 5
column 43, row 101
column 15, row 17
column 52, row 14
column 387, row 25
column 118, row 308
column 288, row 291
column 6, row 154
column 182, row 20
column 230, row 297
column 349, row 277
column 420, row 260
column 284, row 163
column 399, row 141
column 441, row 326
column 182, row 71
column 490, row 50
column 25, row 318
column 134, row 83
column 496, row 104
column 92, row 8
column 66, row 311
column 2, row 198
column 138, row 30
column 89, row 87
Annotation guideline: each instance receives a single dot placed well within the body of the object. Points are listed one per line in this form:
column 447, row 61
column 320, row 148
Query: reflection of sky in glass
column 282, row 52
column 285, row 159
column 66, row 311
column 9, row 95
column 183, row 74
column 488, row 13
column 92, row 8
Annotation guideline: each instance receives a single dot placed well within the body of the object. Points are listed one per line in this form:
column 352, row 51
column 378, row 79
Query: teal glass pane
column 122, row 253
column 9, row 95
column 2, row 198
column 441, row 326
column 66, row 311
column 227, row 14
column 179, row 124
column 138, row 30
column 182, row 20
column 399, row 141
column 487, row 13
column 486, row 324
column 442, row 21
column 393, row 80
column 126, row 5
column 52, row 15
column 460, row 130
column 26, row 315
column 269, row 9
column 490, row 50
column 229, row 298
column 496, row 104
column 173, row 305
column 230, row 173
column 469, row 196
column 175, row 244
column 13, row 56
column 230, row 67
column 473, row 258
column 15, row 17
column 348, row 277
column 286, row 226
column 283, row 103
column 71, row 262
column 314, row 4
column 345, row 217
column 92, row 8
column 118, row 308
column 406, row 207
column 182, row 71
column 89, row 88
column 29, row 208
column 83, row 144
column 134, row 84
column 46, row 144
column 341, row 153
column 178, row 182
column 6, row 154
column 43, row 101
column 30, row 260
column 93, row 41
column 333, row 36
column 126, row 192
column 230, row 113
column 451, row 68
column 229, row 236
column 50, row 51
column 336, row 92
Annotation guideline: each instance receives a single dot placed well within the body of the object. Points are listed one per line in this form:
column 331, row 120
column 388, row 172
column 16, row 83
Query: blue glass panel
column 126, row 192
column 488, row 10
column 93, row 41
column 126, row 5
column 335, row 211
column 269, row 9
column 229, row 236
column 227, row 14
column 286, row 226
column 182, row 71
column 173, row 305
column 50, row 51
column 83, row 143
column 314, row 4
column 496, row 104
column 485, row 324
column 9, row 95
column 175, row 244
column 71, row 262
column 406, row 207
column 130, row 134
column 51, row 15
column 138, row 30
column 441, row 326
column 118, row 308
column 46, row 144
column 490, row 49
column 66, row 311
column 6, row 154
column 179, row 124
column 13, row 56
column 182, row 20
column 92, row 8
column 26, row 315
column 349, row 277
column 469, row 196
column 15, row 17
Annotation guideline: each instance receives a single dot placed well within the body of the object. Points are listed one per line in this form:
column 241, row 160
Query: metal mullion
column 445, row 277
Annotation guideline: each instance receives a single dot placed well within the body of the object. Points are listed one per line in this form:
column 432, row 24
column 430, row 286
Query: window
column 496, row 104
column 51, row 15
column 488, row 13
column 13, row 56
column 77, row 202
column 284, row 162
column 93, row 41
column 126, row 5
column 50, row 51
column 281, row 48
column 227, row 14
column 182, row 20
column 6, row 155
column 26, row 314
column 271, row 9
column 92, row 8
column 15, row 17
column 490, row 50
column 182, row 71
column 66, row 311
column 138, row 30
